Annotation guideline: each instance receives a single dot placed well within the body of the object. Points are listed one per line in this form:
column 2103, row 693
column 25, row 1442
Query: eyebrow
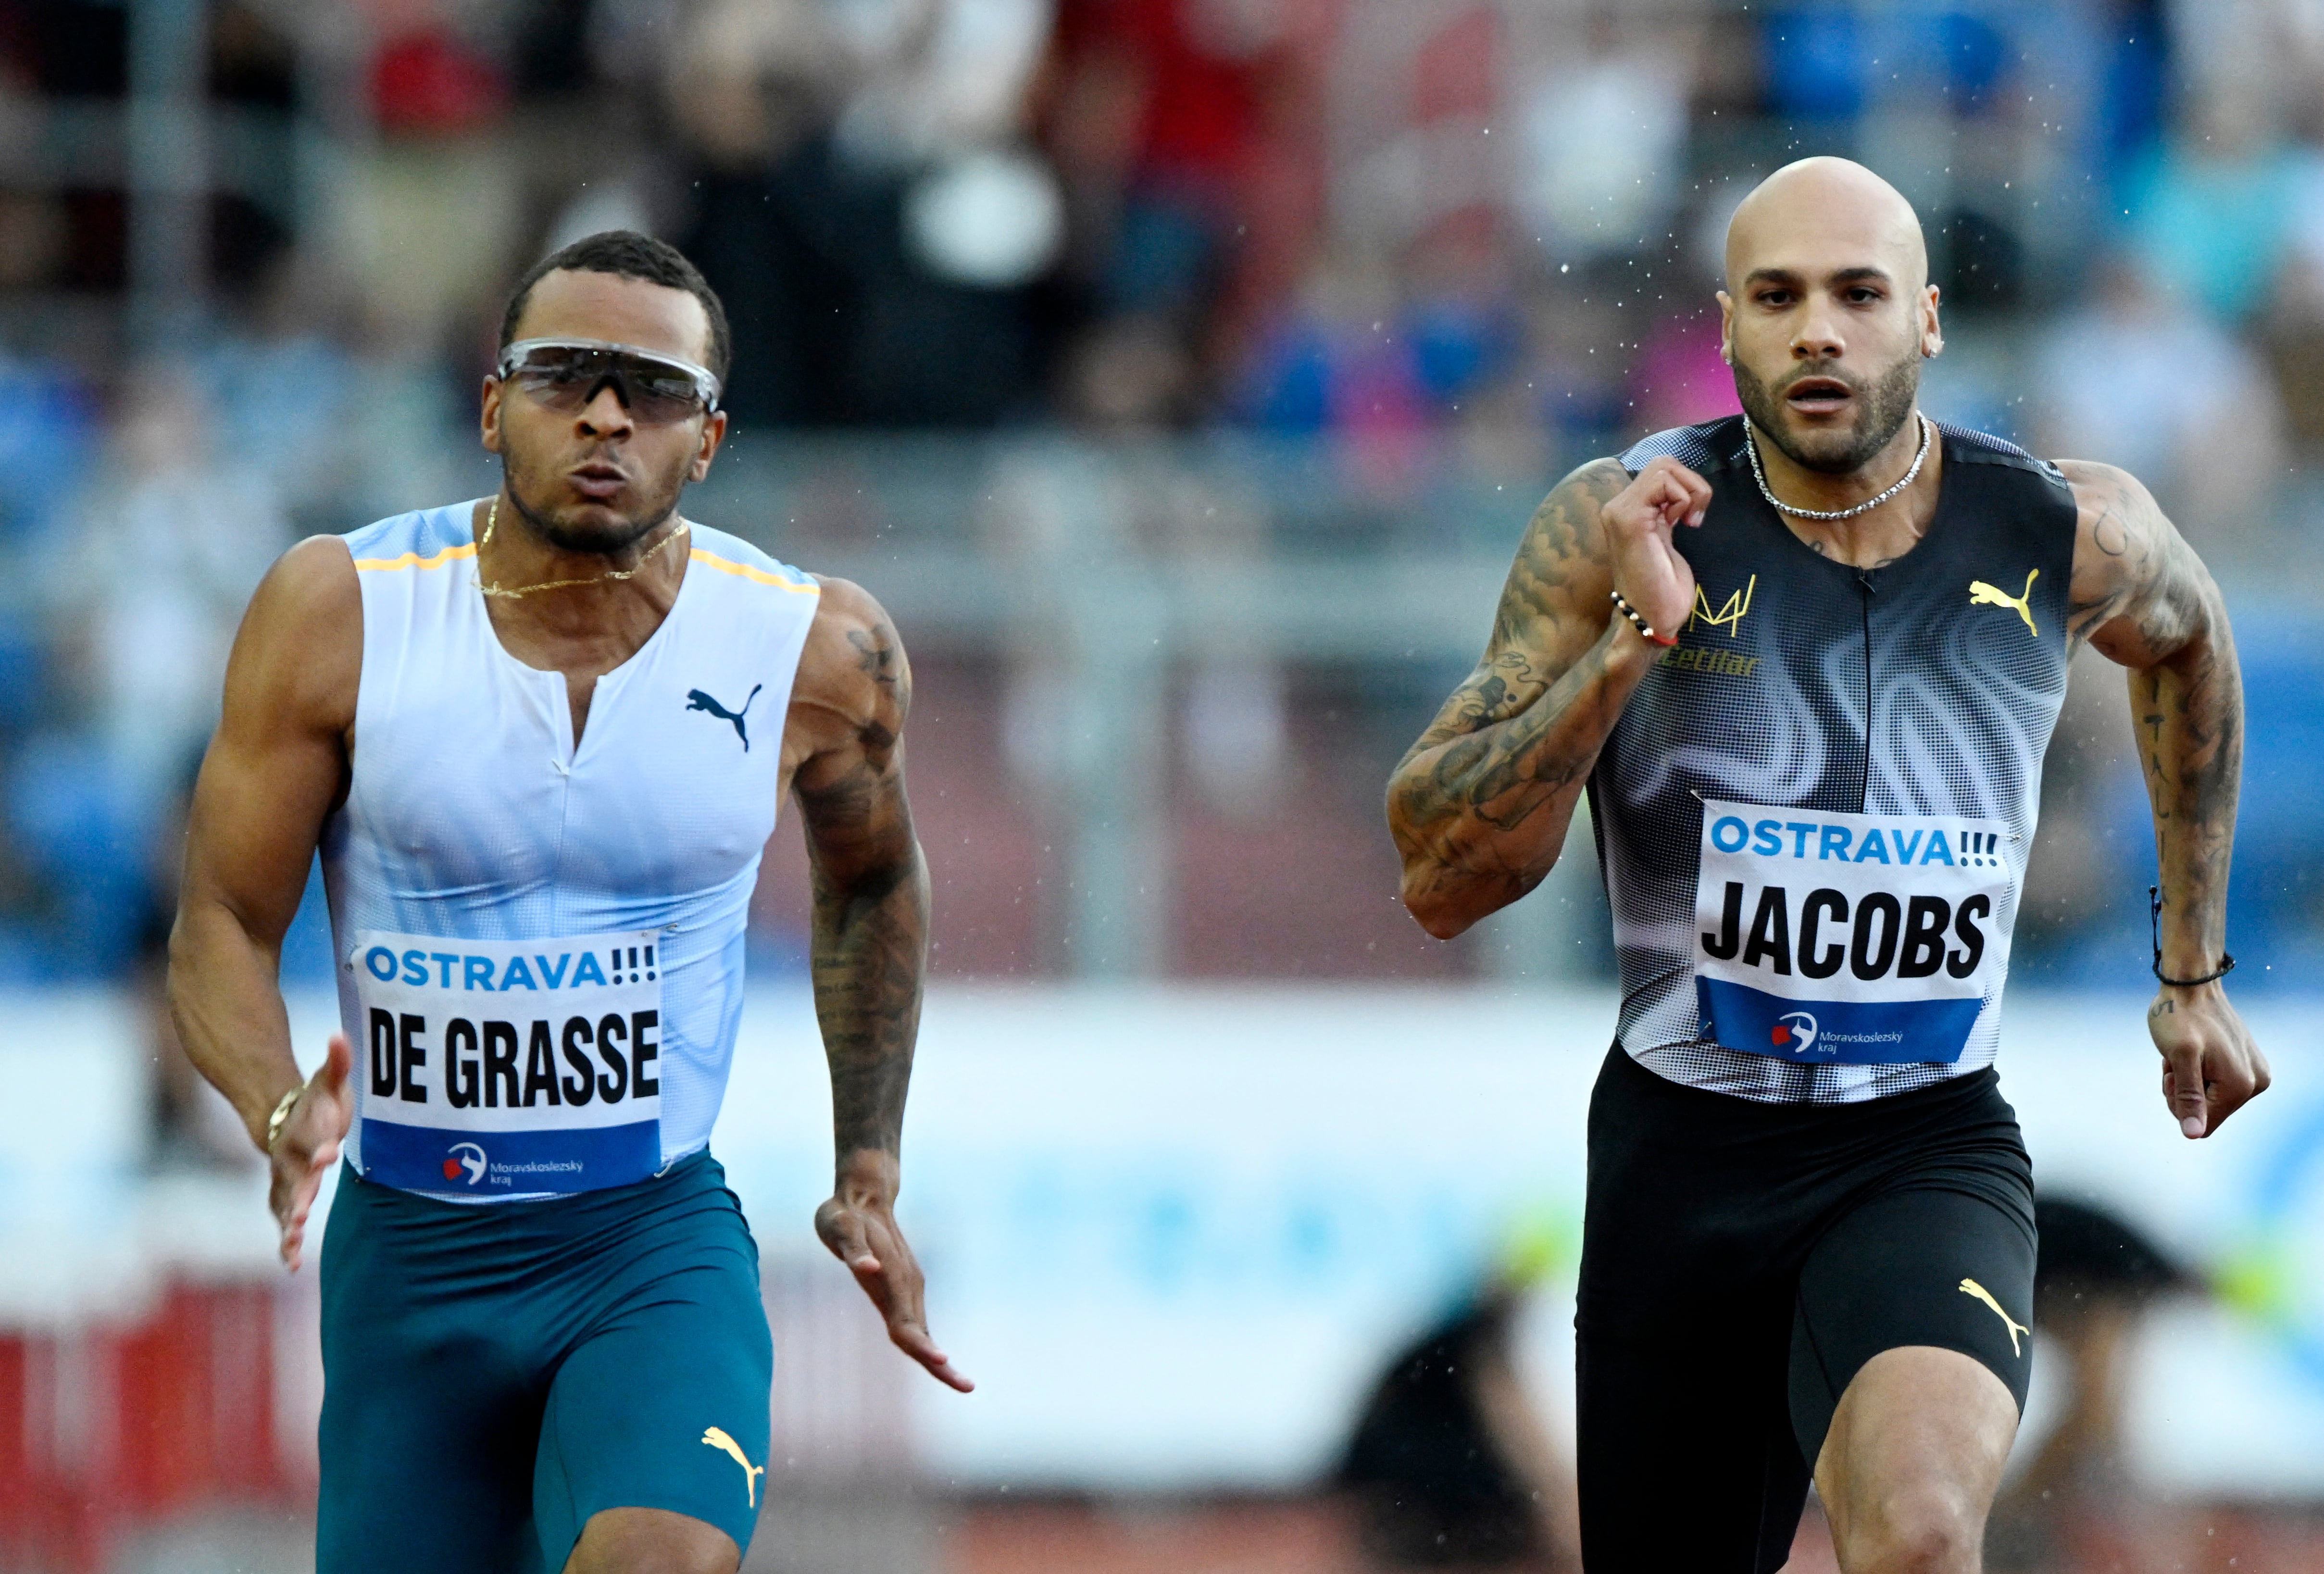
column 1838, row 277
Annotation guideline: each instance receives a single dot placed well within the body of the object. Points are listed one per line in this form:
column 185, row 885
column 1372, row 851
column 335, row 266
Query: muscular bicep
column 845, row 730
column 1553, row 607
column 2139, row 591
column 278, row 764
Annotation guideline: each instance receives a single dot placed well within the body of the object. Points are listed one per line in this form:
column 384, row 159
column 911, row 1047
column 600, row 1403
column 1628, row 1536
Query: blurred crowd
column 1390, row 235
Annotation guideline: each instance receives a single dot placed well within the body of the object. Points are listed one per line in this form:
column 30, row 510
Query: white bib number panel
column 1850, row 939
column 492, row 1067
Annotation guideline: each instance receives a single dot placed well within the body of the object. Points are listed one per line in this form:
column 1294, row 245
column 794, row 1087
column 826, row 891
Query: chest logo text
column 1731, row 612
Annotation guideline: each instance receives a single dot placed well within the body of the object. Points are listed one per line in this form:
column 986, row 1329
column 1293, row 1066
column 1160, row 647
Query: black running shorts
column 1741, row 1262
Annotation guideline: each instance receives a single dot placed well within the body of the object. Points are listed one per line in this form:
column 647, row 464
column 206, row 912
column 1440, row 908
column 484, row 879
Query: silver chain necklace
column 1751, row 446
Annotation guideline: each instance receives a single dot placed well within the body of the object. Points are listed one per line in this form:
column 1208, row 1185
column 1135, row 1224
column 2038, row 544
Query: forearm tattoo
column 871, row 915
column 2144, row 598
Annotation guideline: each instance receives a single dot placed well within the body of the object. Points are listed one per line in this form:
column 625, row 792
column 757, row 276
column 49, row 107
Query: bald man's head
column 1834, row 201
column 1828, row 312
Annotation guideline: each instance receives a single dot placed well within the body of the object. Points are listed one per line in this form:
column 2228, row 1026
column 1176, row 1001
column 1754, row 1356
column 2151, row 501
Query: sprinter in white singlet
column 540, row 740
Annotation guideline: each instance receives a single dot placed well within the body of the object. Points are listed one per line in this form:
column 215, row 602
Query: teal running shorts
column 495, row 1374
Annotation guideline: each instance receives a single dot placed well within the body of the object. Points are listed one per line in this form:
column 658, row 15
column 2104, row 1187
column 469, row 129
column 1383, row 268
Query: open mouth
column 597, row 482
column 1818, row 395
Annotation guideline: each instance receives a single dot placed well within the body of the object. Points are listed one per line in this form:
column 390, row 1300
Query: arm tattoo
column 1535, row 609
column 1521, row 733
column 2126, row 556
column 1480, row 772
column 876, row 655
column 2143, row 598
column 870, row 947
column 2191, row 706
column 870, row 918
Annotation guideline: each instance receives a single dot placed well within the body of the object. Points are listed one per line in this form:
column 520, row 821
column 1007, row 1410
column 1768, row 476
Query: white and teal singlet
column 540, row 946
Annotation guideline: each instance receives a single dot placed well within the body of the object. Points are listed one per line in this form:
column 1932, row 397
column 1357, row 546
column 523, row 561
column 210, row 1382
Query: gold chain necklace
column 491, row 522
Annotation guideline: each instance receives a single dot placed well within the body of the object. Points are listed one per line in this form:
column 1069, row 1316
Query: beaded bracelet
column 1639, row 623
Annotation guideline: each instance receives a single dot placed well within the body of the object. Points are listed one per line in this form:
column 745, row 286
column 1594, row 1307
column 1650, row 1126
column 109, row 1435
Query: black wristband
column 2154, row 917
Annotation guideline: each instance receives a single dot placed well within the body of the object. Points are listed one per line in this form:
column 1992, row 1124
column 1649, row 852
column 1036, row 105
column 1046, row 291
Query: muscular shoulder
column 299, row 655
column 853, row 673
column 2111, row 502
column 316, row 576
column 2133, row 574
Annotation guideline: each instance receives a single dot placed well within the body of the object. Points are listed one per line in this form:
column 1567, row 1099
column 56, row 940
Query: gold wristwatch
column 281, row 1113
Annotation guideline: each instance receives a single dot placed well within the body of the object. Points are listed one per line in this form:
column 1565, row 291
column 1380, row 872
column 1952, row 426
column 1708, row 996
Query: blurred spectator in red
column 429, row 203
column 1190, row 137
column 428, row 80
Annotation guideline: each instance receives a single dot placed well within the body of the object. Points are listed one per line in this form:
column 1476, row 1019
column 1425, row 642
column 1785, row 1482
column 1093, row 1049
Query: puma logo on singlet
column 1981, row 594
column 696, row 700
column 1971, row 1287
column 716, row 1437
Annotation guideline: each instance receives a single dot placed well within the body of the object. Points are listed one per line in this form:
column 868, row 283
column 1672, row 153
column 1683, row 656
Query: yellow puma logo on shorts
column 716, row 1437
column 1971, row 1287
column 1981, row 594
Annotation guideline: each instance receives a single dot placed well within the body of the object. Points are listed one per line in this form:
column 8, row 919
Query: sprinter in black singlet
column 1805, row 662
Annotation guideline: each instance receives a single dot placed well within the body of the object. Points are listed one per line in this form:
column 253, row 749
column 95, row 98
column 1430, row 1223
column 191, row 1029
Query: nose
column 605, row 415
column 1819, row 337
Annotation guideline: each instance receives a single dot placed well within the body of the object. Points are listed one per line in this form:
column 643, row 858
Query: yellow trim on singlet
column 414, row 560
column 755, row 575
column 707, row 559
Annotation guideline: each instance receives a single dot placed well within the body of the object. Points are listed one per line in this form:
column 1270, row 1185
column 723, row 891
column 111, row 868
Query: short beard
column 607, row 541
column 1886, row 406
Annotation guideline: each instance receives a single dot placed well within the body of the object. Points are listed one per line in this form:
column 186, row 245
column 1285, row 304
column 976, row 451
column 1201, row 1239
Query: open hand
column 858, row 1223
column 2210, row 1067
column 309, row 1145
column 1639, row 521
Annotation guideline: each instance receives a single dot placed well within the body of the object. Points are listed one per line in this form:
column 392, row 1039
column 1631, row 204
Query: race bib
column 508, row 1067
column 1854, row 938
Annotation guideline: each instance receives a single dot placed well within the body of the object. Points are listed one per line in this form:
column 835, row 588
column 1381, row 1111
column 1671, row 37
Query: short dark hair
column 627, row 254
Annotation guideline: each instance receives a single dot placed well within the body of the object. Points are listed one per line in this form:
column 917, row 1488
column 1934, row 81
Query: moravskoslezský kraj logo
column 1796, row 1031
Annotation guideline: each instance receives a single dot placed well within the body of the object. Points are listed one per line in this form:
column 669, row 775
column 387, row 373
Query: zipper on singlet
column 1863, row 601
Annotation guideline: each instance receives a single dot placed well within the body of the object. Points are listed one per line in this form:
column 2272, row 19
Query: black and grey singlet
column 1814, row 814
